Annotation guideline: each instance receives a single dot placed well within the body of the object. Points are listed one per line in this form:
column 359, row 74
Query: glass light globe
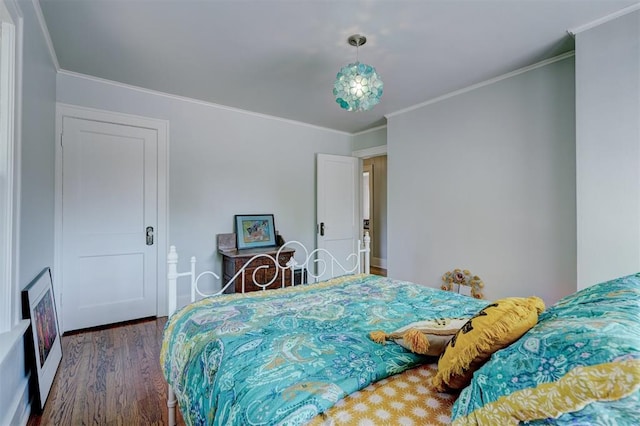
column 358, row 87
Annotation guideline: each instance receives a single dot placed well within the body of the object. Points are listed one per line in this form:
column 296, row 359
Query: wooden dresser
column 233, row 261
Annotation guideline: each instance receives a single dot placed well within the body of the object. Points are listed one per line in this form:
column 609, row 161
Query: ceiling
column 280, row 57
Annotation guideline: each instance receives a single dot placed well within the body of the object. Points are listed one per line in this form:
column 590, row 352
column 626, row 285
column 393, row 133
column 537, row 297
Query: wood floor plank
column 110, row 376
column 115, row 383
column 378, row 271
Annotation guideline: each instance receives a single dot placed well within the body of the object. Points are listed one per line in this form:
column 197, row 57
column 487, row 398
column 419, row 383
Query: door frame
column 162, row 129
column 370, row 152
column 369, row 169
column 363, row 154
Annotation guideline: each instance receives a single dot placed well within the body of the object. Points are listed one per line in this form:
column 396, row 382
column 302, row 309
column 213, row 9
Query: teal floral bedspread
column 580, row 365
column 284, row 356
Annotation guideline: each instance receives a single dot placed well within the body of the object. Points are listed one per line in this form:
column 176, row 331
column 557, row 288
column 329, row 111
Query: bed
column 305, row 354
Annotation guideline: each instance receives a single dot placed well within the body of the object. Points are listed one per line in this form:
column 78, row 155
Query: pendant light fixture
column 358, row 87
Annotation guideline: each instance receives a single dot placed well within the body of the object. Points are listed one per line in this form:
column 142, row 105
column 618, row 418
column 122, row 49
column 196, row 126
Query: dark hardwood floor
column 109, row 376
column 378, row 271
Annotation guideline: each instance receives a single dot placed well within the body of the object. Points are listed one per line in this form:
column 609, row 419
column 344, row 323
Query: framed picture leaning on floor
column 39, row 305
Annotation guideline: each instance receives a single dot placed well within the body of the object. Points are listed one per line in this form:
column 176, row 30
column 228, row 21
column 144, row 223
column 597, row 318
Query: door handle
column 149, row 235
column 322, row 229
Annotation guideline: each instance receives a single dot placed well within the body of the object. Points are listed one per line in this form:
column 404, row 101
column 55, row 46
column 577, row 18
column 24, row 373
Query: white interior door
column 109, row 198
column 338, row 179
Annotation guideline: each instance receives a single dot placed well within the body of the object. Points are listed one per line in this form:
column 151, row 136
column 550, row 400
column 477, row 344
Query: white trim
column 45, row 33
column 7, row 126
column 88, row 113
column 17, row 157
column 17, row 412
column 17, row 164
column 162, row 128
column 373, row 129
column 163, row 217
column 20, row 410
column 483, row 84
column 9, row 339
column 370, row 152
column 379, row 262
column 604, row 19
column 197, row 101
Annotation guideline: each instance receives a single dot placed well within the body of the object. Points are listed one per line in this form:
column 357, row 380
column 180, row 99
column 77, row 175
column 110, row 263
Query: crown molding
column 373, row 129
column 54, row 58
column 196, row 101
column 45, row 33
column 604, row 19
column 483, row 84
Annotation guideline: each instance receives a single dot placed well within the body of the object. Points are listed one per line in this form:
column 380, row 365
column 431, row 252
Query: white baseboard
column 379, row 263
column 20, row 409
column 14, row 382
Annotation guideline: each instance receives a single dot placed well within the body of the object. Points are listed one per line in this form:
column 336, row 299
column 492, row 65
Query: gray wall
column 222, row 162
column 608, row 150
column 36, row 197
column 485, row 180
column 38, row 150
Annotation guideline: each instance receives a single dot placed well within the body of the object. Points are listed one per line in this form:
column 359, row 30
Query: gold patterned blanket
column 407, row 398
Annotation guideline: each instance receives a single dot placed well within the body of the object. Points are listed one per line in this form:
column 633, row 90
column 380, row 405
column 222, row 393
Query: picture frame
column 39, row 305
column 255, row 230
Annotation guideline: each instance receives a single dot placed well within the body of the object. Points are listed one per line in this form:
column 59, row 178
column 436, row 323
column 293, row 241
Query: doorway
column 374, row 208
column 111, row 217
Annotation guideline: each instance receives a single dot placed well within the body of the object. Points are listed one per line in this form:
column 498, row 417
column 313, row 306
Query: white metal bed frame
column 318, row 264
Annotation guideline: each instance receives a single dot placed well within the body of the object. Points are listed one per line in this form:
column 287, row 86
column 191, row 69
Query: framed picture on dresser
column 255, row 230
column 39, row 305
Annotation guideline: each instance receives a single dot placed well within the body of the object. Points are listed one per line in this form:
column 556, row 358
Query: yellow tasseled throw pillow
column 495, row 327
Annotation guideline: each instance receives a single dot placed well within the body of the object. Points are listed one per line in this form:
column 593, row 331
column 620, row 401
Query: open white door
column 338, row 214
